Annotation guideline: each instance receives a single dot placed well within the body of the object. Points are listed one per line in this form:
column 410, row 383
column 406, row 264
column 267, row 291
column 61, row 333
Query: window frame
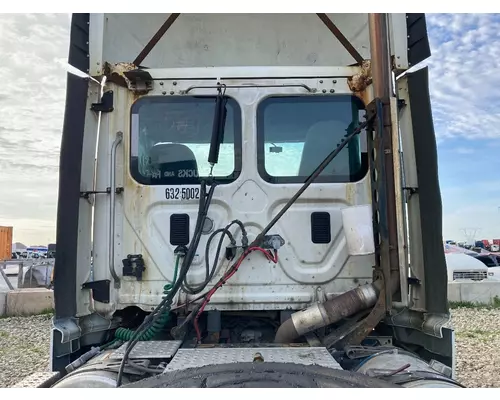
column 261, row 151
column 175, row 181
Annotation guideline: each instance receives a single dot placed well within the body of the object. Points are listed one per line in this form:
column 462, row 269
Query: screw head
column 324, row 90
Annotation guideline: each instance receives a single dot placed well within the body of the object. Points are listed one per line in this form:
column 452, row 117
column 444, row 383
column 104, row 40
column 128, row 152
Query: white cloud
column 464, row 150
column 31, row 114
column 463, row 77
column 464, row 74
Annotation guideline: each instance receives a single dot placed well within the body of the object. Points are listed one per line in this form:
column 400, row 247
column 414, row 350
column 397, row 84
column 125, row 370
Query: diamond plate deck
column 37, row 380
column 191, row 358
column 154, row 349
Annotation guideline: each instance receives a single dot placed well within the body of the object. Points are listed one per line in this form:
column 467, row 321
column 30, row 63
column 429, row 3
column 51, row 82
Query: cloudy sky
column 464, row 78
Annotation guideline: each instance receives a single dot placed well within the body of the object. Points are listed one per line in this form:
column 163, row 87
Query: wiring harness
column 165, row 305
column 234, row 268
column 125, row 334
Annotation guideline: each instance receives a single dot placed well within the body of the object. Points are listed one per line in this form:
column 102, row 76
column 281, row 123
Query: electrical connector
column 181, row 251
column 231, row 252
column 244, row 242
column 272, row 242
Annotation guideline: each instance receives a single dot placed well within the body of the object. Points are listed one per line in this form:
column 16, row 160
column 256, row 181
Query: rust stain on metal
column 359, row 82
column 351, row 189
column 116, row 73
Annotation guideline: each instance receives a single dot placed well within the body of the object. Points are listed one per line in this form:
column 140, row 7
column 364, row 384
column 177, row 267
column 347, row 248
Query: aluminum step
column 149, row 350
column 192, row 358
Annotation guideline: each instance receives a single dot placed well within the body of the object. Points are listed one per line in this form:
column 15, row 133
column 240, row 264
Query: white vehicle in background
column 492, row 263
column 462, row 266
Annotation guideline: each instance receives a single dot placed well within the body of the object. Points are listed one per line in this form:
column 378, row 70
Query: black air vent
column 320, row 228
column 179, row 229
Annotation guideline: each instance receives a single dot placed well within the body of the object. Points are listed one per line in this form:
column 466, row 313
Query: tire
column 261, row 375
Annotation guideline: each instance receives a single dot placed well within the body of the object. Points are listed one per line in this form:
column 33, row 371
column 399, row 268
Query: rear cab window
column 170, row 140
column 296, row 133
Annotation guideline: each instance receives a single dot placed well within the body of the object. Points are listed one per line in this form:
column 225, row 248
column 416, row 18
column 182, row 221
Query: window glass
column 171, row 139
column 296, row 133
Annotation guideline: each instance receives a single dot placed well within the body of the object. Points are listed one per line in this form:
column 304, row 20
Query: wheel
column 261, row 375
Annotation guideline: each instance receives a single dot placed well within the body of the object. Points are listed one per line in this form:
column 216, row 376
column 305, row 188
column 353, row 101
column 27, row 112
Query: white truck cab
column 248, row 208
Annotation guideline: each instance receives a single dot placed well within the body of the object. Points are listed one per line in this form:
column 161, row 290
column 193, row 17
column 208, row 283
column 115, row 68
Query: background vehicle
column 463, row 266
column 492, row 262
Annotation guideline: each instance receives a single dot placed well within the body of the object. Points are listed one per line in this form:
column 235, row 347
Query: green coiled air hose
column 126, row 334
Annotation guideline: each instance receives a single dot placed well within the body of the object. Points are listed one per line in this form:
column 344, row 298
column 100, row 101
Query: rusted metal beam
column 340, row 37
column 155, row 39
column 382, row 181
column 380, row 58
column 382, row 87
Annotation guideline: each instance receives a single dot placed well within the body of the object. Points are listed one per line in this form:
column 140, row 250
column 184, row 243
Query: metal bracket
column 414, row 281
column 100, row 290
column 139, row 81
column 411, row 190
column 356, row 352
column 68, row 327
column 106, row 103
column 65, row 337
column 319, row 295
column 313, row 340
column 86, row 194
column 429, row 324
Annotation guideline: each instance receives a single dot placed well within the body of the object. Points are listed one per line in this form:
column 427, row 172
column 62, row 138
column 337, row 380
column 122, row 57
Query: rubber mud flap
column 261, row 375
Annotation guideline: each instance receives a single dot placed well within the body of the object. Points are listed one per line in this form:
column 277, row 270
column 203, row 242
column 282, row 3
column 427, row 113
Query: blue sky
column 466, row 107
column 464, row 77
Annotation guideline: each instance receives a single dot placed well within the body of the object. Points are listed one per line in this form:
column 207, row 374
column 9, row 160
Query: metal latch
column 133, row 265
column 139, row 81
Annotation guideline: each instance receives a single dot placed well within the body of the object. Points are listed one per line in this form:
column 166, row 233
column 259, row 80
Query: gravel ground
column 24, row 347
column 478, row 346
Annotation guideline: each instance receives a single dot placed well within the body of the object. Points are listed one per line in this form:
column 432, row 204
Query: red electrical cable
column 225, row 278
